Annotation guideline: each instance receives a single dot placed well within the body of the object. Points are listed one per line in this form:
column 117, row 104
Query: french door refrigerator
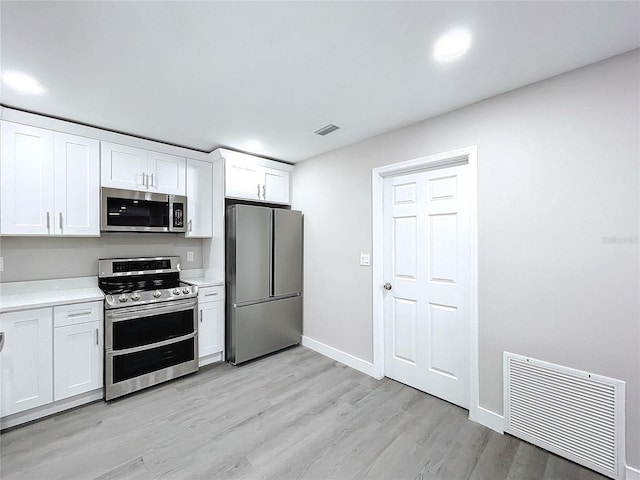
column 264, row 281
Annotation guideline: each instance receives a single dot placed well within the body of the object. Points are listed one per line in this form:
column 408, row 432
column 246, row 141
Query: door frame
column 461, row 156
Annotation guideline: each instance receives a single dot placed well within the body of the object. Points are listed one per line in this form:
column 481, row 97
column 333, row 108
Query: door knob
column 387, row 286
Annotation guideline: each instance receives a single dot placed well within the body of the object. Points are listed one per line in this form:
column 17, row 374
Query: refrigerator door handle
column 271, row 256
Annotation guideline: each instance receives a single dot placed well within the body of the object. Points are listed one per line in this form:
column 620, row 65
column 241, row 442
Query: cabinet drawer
column 210, row 294
column 77, row 313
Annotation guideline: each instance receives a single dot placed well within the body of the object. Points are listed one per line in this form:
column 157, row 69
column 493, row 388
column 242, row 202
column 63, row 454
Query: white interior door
column 426, row 267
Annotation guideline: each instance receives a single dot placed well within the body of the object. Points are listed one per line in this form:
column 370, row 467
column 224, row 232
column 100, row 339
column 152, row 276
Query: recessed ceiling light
column 22, row 82
column 452, row 45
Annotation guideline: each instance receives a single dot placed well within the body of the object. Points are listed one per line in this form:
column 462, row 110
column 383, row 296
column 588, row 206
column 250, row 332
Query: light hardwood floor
column 296, row 414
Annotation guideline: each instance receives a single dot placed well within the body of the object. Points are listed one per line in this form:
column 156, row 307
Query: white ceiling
column 210, row 74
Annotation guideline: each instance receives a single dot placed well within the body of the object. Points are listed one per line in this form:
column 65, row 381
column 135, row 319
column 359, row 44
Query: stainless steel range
column 151, row 323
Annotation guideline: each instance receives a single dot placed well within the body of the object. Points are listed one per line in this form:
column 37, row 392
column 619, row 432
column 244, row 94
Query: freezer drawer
column 259, row 329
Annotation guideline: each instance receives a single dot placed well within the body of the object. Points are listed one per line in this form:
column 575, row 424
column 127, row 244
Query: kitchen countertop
column 48, row 293
column 204, row 281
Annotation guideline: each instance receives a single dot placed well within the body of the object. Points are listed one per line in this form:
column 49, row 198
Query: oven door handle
column 131, row 313
column 148, row 346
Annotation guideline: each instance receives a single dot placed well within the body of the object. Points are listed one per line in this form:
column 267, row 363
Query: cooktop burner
column 139, row 283
column 136, row 281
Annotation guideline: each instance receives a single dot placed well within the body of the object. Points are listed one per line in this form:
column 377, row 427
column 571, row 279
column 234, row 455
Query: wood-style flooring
column 296, row 414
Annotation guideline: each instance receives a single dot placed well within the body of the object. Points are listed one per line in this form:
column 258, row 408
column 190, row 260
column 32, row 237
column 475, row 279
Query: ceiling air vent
column 327, row 129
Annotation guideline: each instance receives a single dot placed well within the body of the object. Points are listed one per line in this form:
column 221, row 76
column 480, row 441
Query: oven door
column 149, row 344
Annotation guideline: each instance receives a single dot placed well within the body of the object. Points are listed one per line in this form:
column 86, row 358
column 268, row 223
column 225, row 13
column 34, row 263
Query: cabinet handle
column 258, row 191
column 210, row 294
column 264, row 191
column 152, row 180
column 97, row 340
column 190, row 225
column 200, row 315
column 61, row 222
column 1, row 341
column 79, row 313
column 48, row 222
column 144, row 179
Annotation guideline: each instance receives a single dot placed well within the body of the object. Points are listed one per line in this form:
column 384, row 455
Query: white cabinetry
column 254, row 178
column 199, row 199
column 50, row 182
column 49, row 354
column 77, row 349
column 211, row 324
column 137, row 169
column 26, row 362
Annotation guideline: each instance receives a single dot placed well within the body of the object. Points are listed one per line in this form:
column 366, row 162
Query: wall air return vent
column 327, row 129
column 572, row 413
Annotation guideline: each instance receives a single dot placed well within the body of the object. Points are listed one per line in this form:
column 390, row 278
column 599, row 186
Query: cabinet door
column 77, row 185
column 166, row 173
column 211, row 328
column 26, row 180
column 26, row 369
column 276, row 186
column 123, row 167
column 77, row 359
column 199, row 199
column 243, row 181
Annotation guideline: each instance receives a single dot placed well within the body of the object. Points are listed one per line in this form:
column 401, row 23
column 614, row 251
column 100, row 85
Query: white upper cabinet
column 167, row 173
column 50, row 182
column 275, row 187
column 242, row 181
column 199, row 199
column 137, row 169
column 254, row 178
column 77, row 185
column 123, row 167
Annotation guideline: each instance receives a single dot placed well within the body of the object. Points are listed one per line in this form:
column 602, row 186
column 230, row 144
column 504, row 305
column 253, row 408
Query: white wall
column 558, row 174
column 34, row 258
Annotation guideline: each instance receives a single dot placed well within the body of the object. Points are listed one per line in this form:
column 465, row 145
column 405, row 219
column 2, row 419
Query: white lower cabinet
column 49, row 354
column 26, row 369
column 77, row 349
column 211, row 324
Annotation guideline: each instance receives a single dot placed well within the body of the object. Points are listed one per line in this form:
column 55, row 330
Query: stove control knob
column 135, row 296
column 176, row 291
column 186, row 290
column 110, row 299
column 157, row 294
column 123, row 298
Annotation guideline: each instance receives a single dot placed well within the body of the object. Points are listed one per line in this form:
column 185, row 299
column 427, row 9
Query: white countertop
column 48, row 293
column 203, row 281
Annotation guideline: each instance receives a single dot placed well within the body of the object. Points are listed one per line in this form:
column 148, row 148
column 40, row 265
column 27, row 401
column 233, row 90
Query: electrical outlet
column 189, row 256
column 365, row 260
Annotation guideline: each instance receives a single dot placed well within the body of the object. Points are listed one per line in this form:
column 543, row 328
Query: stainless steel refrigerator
column 264, row 281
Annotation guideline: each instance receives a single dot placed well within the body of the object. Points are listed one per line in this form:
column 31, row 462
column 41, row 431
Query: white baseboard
column 490, row 420
column 632, row 473
column 339, row 356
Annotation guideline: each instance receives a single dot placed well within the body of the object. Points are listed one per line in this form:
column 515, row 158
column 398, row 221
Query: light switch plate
column 189, row 256
column 365, row 260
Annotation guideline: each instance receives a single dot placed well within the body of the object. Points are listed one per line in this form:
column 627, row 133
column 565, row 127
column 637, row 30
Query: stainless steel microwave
column 132, row 211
